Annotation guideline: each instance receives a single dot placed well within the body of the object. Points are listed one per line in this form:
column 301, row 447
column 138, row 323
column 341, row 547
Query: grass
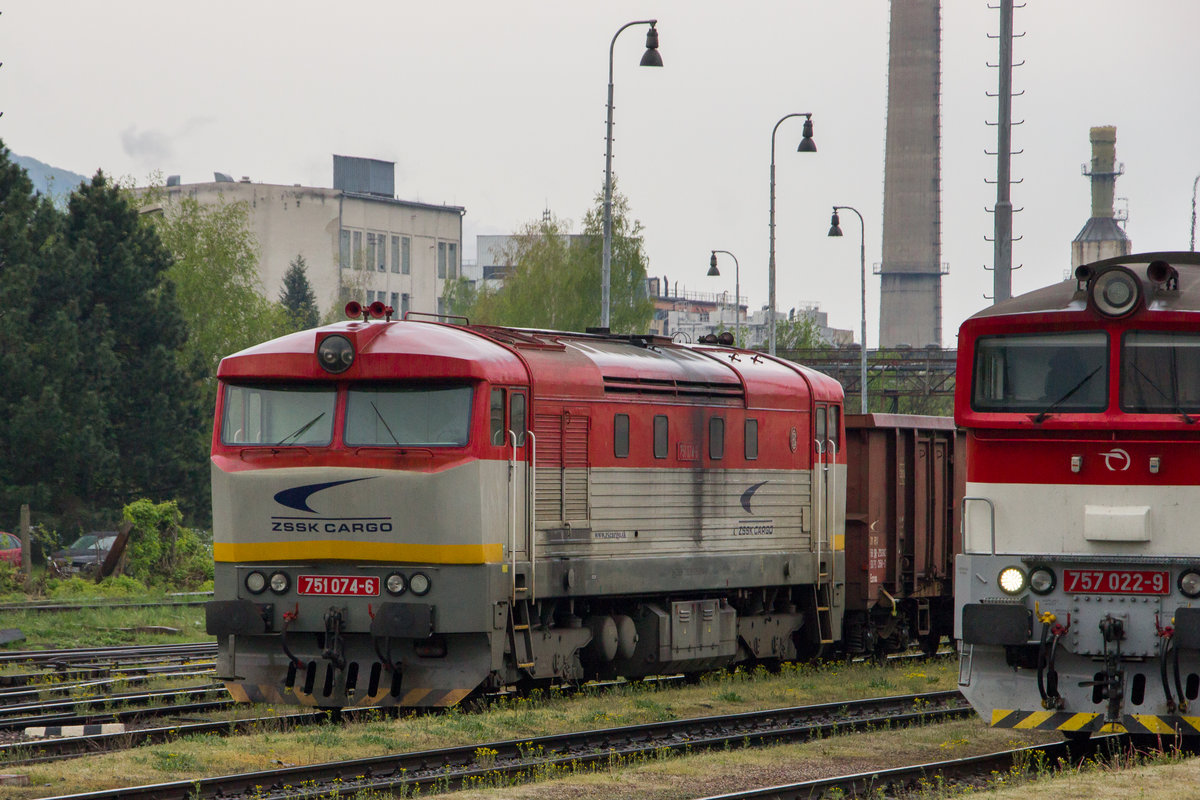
column 101, row 627
column 538, row 714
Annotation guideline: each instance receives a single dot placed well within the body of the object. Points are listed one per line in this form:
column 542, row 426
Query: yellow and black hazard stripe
column 1094, row 722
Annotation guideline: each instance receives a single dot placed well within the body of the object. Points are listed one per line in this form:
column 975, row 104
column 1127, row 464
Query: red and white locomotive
column 407, row 511
column 1078, row 589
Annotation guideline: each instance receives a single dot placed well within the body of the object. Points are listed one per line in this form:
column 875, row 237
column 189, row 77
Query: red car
column 10, row 548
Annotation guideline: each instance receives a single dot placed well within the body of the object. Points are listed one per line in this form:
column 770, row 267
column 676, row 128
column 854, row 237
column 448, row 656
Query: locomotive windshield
column 1041, row 372
column 408, row 415
column 277, row 414
column 1160, row 372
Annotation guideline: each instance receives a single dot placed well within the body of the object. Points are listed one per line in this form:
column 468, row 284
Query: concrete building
column 690, row 315
column 911, row 272
column 358, row 241
column 1102, row 236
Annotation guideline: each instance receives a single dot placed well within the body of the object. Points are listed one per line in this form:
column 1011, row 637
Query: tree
column 215, row 272
column 802, row 332
column 555, row 280
column 297, row 298
column 133, row 323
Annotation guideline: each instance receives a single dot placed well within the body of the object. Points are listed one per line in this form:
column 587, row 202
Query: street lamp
column 737, row 289
column 650, row 58
column 835, row 229
column 806, row 146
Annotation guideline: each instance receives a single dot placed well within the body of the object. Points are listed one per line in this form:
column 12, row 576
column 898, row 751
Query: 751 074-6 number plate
column 1116, row 581
column 358, row 585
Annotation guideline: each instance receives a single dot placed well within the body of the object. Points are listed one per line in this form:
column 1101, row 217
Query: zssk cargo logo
column 297, row 498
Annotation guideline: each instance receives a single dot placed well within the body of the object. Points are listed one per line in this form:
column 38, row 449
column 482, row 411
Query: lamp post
column 650, row 58
column 806, row 146
column 835, row 229
column 737, row 289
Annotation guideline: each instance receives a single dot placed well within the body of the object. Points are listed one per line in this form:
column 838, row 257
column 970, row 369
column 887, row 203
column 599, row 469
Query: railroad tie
column 49, row 731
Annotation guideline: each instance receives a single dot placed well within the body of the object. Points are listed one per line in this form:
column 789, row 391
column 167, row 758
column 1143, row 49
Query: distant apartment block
column 358, row 240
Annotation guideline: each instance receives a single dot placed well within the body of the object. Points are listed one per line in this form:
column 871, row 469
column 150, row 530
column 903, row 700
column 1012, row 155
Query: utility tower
column 911, row 274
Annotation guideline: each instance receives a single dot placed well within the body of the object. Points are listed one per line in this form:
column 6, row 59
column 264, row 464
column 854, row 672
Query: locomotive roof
column 559, row 364
column 1070, row 295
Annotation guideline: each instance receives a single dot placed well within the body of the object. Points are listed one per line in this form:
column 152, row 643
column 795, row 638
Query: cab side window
column 621, row 435
column 497, row 418
column 751, row 439
column 516, row 417
column 716, row 438
column 660, row 436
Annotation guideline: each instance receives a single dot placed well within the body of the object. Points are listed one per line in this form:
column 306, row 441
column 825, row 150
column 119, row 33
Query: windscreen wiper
column 1050, row 409
column 300, row 432
column 1174, row 401
column 384, row 421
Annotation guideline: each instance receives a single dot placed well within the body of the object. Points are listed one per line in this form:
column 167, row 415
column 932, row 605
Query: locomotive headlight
column 256, row 582
column 419, row 583
column 335, row 354
column 1042, row 580
column 1115, row 293
column 280, row 582
column 1011, row 580
column 1189, row 583
column 395, row 583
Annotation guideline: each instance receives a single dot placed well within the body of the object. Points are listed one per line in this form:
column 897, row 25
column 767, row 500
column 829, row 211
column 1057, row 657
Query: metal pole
column 862, row 258
column 771, row 260
column 606, row 257
column 1196, row 182
column 1002, row 268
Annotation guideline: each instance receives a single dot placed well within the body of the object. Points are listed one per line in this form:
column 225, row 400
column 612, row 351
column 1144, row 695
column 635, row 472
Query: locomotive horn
column 1161, row 272
column 354, row 309
column 376, row 309
column 1083, row 273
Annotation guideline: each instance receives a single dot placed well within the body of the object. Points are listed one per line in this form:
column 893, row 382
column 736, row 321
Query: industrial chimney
column 1101, row 237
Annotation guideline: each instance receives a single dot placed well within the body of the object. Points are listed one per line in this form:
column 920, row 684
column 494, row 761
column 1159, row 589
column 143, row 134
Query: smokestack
column 1104, row 170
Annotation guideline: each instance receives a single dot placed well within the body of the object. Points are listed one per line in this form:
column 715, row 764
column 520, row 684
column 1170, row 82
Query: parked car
column 86, row 553
column 10, row 548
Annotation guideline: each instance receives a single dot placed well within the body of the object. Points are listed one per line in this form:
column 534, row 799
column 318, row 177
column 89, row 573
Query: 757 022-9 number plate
column 1116, row 581
column 357, row 585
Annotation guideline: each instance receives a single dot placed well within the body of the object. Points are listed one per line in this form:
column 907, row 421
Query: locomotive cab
column 1077, row 579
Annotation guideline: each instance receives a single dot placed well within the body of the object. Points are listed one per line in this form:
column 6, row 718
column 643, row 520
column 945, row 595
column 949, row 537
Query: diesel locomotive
column 1078, row 588
column 407, row 512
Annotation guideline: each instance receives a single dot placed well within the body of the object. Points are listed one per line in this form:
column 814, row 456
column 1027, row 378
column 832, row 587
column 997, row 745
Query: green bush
column 10, row 578
column 160, row 551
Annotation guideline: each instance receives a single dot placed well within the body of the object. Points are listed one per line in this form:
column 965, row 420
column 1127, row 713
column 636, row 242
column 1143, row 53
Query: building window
column 395, row 254
column 377, row 251
column 441, row 264
column 452, row 260
column 751, row 439
column 370, row 297
column 661, row 439
column 405, row 252
column 395, row 300
column 621, row 435
column 403, row 304
column 716, row 438
column 357, row 254
column 441, row 307
column 344, row 250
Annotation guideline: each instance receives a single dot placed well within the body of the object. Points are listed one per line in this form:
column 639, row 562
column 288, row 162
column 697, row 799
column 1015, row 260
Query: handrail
column 531, row 517
column 512, row 512
column 992, row 520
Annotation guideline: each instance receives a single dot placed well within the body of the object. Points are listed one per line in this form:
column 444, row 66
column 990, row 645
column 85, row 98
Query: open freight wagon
column 906, row 476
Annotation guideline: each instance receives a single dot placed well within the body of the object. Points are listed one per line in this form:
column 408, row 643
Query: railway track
column 110, row 655
column 974, row 772
column 519, row 759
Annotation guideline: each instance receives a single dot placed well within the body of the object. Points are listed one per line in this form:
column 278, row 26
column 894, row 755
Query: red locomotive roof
column 559, row 364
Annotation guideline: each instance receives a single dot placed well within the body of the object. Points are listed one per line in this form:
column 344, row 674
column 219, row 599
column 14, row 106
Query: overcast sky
column 499, row 107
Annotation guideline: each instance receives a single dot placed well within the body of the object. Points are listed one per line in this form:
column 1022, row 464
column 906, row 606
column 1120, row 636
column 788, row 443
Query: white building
column 358, row 241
